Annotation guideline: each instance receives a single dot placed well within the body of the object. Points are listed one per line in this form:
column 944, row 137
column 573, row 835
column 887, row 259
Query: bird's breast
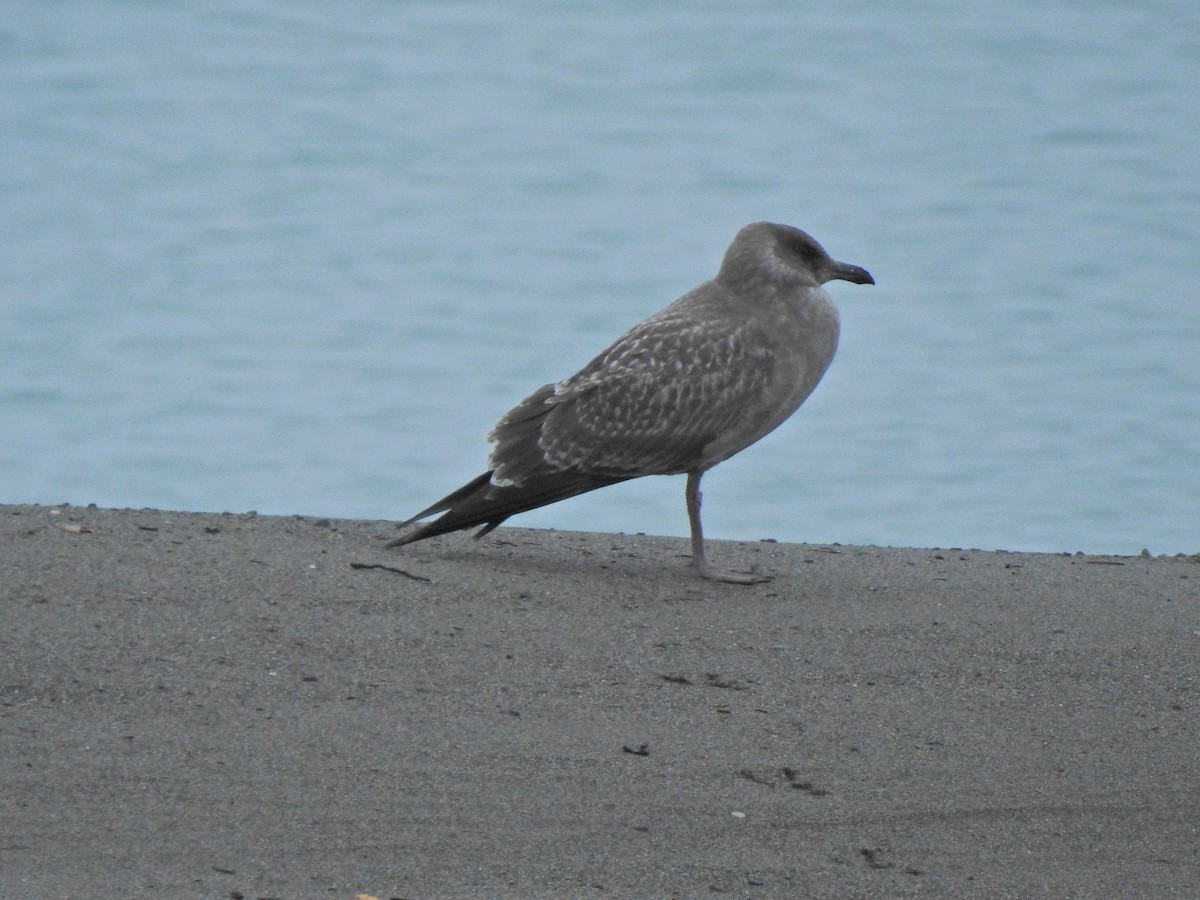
column 795, row 345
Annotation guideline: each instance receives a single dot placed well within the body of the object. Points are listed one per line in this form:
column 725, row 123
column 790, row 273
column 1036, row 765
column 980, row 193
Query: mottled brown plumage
column 689, row 387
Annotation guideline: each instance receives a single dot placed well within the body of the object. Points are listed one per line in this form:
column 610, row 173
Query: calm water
column 299, row 257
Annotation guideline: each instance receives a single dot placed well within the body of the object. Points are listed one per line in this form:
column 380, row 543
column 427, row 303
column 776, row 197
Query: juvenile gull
column 689, row 387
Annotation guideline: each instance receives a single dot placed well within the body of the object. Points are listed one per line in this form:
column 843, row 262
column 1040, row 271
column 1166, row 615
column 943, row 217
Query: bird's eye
column 804, row 250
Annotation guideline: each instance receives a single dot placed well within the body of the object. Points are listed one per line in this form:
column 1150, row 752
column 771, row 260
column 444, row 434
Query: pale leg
column 699, row 562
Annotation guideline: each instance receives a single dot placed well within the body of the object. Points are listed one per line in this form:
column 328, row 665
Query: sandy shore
column 198, row 705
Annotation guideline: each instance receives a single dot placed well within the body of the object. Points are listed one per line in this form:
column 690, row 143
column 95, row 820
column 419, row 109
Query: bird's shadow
column 636, row 559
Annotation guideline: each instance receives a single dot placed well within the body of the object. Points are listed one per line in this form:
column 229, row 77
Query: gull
column 687, row 388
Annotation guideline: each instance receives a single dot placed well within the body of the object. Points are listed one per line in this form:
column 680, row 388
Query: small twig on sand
column 358, row 565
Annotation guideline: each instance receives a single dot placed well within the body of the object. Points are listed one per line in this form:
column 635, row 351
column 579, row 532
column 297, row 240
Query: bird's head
column 788, row 254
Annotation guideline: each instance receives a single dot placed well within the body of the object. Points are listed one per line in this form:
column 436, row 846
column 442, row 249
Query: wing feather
column 656, row 399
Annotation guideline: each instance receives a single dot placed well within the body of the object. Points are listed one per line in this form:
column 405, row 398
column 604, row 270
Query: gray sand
column 222, row 706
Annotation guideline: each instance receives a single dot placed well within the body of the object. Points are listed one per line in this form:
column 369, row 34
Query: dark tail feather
column 471, row 487
column 479, row 502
